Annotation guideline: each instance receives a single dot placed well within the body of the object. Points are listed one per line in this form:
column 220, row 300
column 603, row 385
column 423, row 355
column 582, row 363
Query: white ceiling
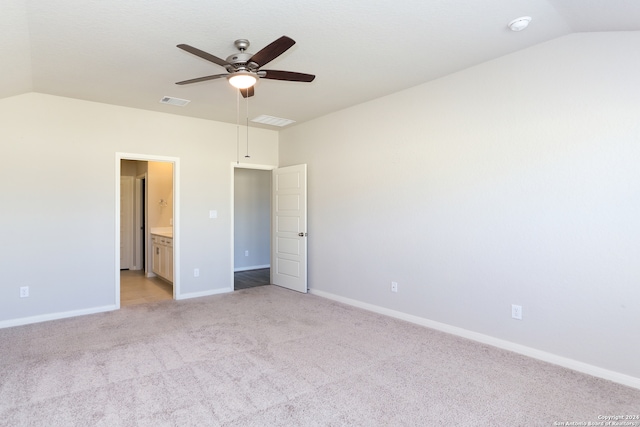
column 124, row 52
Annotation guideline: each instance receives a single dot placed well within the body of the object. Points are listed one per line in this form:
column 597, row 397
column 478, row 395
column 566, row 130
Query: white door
column 126, row 221
column 289, row 241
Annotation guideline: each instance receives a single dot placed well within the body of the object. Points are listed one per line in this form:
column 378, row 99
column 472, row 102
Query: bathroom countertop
column 163, row 232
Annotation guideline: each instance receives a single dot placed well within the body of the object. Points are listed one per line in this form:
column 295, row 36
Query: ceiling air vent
column 174, row 101
column 273, row 121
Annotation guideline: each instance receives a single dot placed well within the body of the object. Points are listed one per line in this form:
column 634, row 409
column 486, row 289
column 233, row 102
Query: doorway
column 288, row 229
column 152, row 192
column 251, row 226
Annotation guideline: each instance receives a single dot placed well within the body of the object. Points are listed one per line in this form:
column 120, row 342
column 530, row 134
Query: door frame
column 234, row 166
column 176, row 217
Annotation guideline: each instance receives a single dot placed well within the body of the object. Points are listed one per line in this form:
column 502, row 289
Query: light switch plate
column 213, row 214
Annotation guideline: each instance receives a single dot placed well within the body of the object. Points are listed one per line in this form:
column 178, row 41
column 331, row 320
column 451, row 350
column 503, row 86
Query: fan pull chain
column 238, row 127
column 247, row 156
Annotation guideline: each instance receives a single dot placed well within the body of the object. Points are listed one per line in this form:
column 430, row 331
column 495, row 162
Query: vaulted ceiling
column 124, row 52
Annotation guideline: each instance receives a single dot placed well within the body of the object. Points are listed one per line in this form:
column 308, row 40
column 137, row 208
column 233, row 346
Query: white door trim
column 176, row 217
column 234, row 166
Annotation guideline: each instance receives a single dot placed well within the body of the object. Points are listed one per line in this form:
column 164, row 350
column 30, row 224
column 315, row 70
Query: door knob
column 301, row 234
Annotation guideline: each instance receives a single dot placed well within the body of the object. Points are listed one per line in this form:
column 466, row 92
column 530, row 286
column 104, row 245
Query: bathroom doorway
column 147, row 205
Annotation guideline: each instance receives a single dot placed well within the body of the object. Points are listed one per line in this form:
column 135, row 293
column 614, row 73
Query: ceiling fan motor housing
column 239, row 58
column 240, row 61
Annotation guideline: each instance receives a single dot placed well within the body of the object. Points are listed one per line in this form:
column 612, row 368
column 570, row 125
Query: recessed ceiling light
column 273, row 121
column 174, row 101
column 520, row 24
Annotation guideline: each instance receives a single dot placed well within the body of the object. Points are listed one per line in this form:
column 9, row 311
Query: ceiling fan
column 244, row 69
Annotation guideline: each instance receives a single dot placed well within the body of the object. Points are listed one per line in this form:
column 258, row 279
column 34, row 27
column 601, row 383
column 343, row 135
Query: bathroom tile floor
column 135, row 288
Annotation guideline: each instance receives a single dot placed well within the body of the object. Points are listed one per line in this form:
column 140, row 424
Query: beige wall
column 513, row 182
column 129, row 168
column 160, row 197
column 59, row 180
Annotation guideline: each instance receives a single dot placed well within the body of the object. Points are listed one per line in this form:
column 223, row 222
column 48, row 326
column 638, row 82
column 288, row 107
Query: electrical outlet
column 394, row 286
column 246, row 253
column 196, row 272
column 516, row 311
column 24, row 291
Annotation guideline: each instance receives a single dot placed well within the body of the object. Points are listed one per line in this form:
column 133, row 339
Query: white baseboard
column 63, row 315
column 55, row 316
column 204, row 293
column 253, row 267
column 486, row 339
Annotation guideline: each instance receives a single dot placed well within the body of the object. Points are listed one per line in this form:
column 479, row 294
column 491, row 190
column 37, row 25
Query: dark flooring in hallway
column 251, row 278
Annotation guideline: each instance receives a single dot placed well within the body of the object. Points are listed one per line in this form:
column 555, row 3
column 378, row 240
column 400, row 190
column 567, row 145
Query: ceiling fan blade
column 288, row 75
column 247, row 92
column 201, row 79
column 272, row 51
column 204, row 55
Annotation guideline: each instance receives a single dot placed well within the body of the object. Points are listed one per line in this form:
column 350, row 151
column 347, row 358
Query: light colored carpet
column 271, row 357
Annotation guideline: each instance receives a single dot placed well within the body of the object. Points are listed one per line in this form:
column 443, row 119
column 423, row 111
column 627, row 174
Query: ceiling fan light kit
column 242, row 79
column 520, row 24
column 243, row 68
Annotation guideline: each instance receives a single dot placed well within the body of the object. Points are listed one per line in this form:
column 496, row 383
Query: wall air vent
column 174, row 101
column 272, row 121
